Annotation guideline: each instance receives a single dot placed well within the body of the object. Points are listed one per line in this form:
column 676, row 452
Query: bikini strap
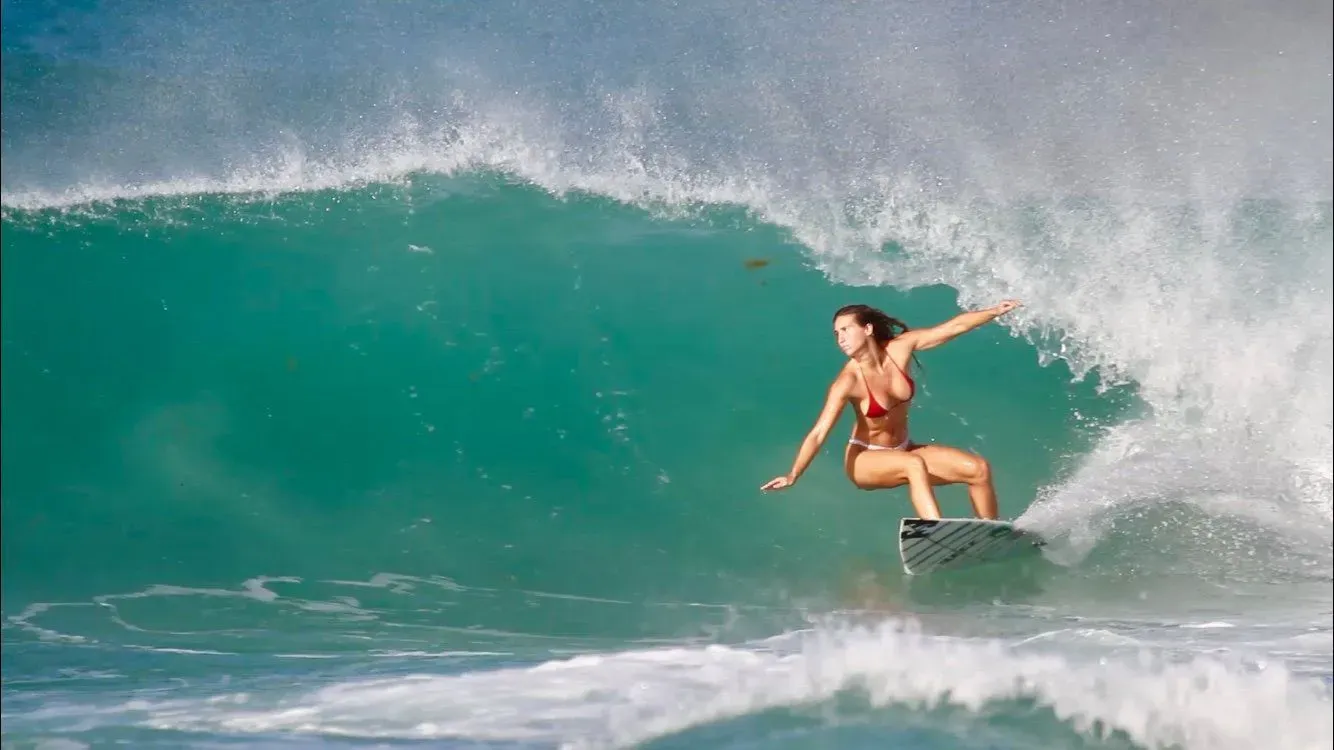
column 896, row 367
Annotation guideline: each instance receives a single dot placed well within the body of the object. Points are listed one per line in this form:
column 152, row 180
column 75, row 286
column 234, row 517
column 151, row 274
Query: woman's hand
column 1005, row 306
column 778, row 483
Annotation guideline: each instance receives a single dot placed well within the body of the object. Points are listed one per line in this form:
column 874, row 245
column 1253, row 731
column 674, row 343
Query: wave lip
column 621, row 699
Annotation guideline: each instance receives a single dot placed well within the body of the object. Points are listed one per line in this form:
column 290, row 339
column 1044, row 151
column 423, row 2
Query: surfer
column 875, row 380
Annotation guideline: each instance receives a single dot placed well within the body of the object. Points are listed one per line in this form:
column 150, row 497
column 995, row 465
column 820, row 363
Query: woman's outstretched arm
column 927, row 338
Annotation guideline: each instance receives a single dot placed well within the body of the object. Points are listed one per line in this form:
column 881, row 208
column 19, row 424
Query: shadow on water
column 882, row 586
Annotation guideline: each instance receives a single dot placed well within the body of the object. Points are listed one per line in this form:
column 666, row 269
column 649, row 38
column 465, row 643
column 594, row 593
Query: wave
column 1229, row 422
column 1155, row 192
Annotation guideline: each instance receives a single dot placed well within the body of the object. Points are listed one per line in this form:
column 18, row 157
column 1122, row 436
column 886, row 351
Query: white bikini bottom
column 872, row 446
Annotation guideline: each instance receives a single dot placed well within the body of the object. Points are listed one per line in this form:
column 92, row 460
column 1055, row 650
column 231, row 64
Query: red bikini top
column 873, row 409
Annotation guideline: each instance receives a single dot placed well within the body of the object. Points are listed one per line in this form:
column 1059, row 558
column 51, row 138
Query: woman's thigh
column 881, row 469
column 947, row 465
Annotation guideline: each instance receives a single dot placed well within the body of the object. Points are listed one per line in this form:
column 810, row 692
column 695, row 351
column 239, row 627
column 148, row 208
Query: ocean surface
column 404, row 374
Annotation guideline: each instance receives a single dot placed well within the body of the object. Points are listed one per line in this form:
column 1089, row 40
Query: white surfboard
column 927, row 546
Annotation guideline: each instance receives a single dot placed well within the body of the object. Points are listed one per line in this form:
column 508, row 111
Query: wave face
column 407, row 371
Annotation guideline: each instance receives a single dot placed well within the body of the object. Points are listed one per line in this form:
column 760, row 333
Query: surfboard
column 926, row 546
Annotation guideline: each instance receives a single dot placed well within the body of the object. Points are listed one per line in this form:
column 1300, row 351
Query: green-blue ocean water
column 406, row 375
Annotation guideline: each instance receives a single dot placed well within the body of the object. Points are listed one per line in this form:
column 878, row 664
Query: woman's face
column 850, row 335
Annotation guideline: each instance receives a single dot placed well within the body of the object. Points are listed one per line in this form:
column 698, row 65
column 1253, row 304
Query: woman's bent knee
column 979, row 471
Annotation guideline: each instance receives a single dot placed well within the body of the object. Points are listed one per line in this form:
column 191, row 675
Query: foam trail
column 621, row 699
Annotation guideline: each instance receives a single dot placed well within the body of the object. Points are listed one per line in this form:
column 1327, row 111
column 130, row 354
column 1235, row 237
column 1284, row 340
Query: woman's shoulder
column 900, row 348
column 846, row 376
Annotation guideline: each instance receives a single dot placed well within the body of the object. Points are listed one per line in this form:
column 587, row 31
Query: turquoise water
column 406, row 375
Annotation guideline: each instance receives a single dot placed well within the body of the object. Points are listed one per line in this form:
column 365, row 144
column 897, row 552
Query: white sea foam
column 620, row 699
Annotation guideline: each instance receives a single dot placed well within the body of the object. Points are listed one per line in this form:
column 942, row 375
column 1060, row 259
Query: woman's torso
column 886, row 394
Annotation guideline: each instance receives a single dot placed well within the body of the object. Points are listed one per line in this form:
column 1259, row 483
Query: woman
column 880, row 455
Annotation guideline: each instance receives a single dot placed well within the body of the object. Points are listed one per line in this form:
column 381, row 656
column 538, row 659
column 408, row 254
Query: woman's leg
column 947, row 465
column 886, row 469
